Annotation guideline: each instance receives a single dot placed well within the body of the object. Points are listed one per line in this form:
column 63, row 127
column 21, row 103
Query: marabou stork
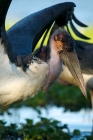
column 22, row 74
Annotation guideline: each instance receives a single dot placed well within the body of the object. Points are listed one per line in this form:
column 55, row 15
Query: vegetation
column 44, row 130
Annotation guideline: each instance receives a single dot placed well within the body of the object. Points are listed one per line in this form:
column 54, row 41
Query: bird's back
column 85, row 54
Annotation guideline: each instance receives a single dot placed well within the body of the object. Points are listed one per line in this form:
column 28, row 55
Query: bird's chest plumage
column 15, row 84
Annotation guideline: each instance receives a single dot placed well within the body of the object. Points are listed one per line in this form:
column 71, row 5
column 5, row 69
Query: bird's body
column 22, row 74
column 17, row 85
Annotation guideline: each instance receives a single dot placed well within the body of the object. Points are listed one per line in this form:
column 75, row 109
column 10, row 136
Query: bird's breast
column 17, row 85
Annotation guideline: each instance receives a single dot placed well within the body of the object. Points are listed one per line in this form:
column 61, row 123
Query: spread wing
column 85, row 54
column 22, row 37
column 25, row 34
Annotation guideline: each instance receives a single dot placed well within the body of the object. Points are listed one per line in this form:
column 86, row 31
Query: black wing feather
column 77, row 21
column 4, row 5
column 25, row 34
column 77, row 32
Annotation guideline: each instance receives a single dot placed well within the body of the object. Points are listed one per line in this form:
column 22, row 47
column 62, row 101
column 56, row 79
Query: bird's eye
column 55, row 38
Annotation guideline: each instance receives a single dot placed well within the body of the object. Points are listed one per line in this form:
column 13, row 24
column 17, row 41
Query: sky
column 21, row 8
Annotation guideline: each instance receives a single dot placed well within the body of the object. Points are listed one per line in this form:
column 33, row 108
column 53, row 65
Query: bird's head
column 62, row 49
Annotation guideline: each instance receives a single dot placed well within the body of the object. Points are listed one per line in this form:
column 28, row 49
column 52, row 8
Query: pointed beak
column 71, row 61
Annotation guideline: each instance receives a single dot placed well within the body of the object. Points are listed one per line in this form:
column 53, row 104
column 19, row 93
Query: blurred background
column 65, row 104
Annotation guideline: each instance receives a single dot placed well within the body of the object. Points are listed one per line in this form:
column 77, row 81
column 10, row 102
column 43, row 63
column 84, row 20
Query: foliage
column 89, row 137
column 44, row 130
column 76, row 132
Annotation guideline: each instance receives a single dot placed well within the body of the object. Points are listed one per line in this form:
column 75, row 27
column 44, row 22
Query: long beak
column 71, row 61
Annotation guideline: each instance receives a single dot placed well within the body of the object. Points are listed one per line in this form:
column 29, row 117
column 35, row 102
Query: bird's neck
column 55, row 63
column 55, row 66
